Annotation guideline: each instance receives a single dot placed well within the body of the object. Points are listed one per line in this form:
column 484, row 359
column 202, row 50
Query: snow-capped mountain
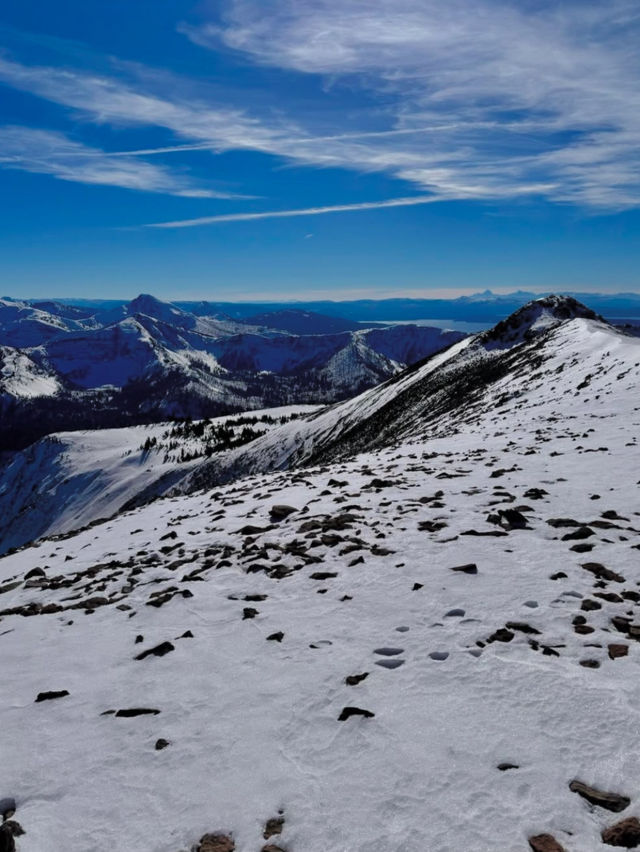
column 474, row 375
column 433, row 613
column 148, row 360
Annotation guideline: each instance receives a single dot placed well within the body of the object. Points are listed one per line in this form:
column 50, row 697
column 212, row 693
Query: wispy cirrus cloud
column 529, row 92
column 411, row 201
column 52, row 153
column 479, row 99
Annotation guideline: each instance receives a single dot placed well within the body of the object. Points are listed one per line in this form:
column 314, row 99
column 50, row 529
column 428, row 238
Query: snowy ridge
column 471, row 591
column 458, row 383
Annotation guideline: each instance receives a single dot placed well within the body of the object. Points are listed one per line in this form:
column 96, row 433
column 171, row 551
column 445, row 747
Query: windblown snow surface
column 266, row 616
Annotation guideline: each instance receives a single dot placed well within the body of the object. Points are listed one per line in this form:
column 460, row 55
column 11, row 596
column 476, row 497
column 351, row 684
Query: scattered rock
column 161, row 743
column 249, row 612
column 611, row 801
column 602, row 573
column 625, row 834
column 9, row 830
column 504, row 766
column 35, row 572
column 280, row 512
column 617, row 650
column 472, row 568
column 159, row 651
column 501, row 635
column 273, row 826
column 347, row 712
column 130, row 712
column 545, row 843
column 215, row 843
column 48, row 696
column 276, row 637
column 7, row 807
column 354, row 680
column 581, row 532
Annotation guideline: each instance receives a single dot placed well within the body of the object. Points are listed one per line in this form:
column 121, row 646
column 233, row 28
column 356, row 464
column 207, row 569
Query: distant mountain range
column 69, row 367
column 483, row 307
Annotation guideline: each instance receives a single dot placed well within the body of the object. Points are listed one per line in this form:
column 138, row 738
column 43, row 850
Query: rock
column 559, row 575
column 280, row 512
column 545, row 843
column 590, row 664
column 48, row 696
column 617, row 649
column 347, row 712
column 513, row 519
column 501, row 635
column 625, row 834
column 416, row 586
column 472, row 568
column 611, row 801
column 7, row 807
column 323, row 575
column 273, row 826
column 161, row 743
column 130, row 712
column 535, row 493
column 215, row 843
column 504, row 766
column 270, row 847
column 249, row 612
column 602, row 573
column 159, row 651
column 9, row 830
column 580, row 533
column 276, row 637
column 354, row 680
column 523, row 627
column 35, row 572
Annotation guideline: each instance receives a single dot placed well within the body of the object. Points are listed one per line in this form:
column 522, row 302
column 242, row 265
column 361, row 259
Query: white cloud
column 308, row 211
column 519, row 92
column 480, row 99
column 52, row 153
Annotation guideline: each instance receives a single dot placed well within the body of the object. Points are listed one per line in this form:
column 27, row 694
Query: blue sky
column 318, row 148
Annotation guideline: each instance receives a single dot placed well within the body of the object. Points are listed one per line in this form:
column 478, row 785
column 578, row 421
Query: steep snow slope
column 70, row 479
column 21, row 377
column 512, row 678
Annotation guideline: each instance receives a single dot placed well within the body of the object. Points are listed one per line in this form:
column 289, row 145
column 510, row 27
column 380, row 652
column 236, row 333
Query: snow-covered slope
column 469, row 377
column 20, row 376
column 421, row 655
column 70, row 479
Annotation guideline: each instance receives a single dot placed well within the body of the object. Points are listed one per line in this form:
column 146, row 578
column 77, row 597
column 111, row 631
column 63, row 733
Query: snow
column 253, row 724
column 70, row 479
column 21, row 377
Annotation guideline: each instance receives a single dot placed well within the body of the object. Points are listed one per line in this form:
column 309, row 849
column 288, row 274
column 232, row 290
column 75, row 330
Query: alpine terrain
column 408, row 621
column 145, row 361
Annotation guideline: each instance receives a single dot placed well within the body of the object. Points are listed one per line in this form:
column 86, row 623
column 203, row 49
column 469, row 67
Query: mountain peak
column 535, row 317
column 155, row 308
